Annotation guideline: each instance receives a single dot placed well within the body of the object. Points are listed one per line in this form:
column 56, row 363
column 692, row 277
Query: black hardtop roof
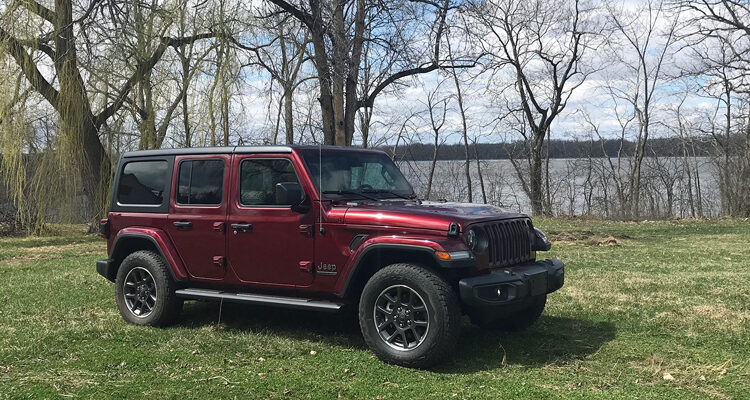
column 270, row 149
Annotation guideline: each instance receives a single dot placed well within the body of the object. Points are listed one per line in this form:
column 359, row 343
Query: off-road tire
column 443, row 309
column 519, row 320
column 167, row 306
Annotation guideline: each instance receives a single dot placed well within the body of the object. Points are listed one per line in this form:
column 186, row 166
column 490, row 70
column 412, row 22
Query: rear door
column 197, row 214
column 267, row 242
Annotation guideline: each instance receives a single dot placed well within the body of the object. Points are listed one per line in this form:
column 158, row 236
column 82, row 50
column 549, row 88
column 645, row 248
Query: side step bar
column 262, row 299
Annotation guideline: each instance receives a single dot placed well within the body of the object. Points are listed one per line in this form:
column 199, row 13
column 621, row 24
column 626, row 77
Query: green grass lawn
column 664, row 313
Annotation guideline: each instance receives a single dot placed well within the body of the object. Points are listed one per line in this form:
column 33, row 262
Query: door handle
column 306, row 229
column 183, row 224
column 242, row 227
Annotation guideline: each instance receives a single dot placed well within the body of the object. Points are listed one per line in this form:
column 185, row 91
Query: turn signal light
column 443, row 255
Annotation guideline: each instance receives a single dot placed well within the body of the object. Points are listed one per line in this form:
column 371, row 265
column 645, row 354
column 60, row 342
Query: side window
column 142, row 183
column 258, row 179
column 200, row 182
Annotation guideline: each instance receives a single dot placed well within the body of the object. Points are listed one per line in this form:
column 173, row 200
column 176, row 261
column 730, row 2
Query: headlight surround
column 541, row 242
column 476, row 239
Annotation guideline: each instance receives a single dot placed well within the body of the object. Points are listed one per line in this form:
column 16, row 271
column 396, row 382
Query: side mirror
column 290, row 193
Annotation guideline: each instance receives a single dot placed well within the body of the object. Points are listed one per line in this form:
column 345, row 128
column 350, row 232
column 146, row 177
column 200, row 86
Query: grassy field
column 648, row 310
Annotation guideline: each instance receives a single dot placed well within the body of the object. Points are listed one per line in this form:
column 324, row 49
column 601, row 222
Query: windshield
column 359, row 175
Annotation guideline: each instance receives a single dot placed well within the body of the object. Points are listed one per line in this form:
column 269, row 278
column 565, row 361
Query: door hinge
column 305, row 266
column 220, row 261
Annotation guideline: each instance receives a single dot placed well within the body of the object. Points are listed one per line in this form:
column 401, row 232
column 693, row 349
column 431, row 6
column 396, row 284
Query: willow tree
column 46, row 39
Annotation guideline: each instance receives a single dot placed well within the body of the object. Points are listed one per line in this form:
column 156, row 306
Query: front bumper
column 512, row 285
column 104, row 268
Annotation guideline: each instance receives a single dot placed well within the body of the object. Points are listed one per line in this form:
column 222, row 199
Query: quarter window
column 142, row 183
column 200, row 182
column 258, row 179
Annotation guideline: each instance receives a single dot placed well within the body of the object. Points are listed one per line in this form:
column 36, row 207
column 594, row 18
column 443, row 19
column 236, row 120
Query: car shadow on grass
column 330, row 328
column 552, row 340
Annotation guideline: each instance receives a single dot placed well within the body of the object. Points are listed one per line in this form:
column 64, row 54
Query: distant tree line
column 660, row 147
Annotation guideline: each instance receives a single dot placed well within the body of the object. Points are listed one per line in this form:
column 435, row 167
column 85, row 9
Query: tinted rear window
column 200, row 182
column 142, row 183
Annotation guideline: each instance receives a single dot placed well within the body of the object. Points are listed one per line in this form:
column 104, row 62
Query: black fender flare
column 141, row 236
column 422, row 250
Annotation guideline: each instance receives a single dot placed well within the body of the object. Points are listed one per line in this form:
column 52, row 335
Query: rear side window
column 142, row 183
column 200, row 182
column 258, row 179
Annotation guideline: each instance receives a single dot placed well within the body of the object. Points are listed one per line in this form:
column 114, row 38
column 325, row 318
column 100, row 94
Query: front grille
column 509, row 242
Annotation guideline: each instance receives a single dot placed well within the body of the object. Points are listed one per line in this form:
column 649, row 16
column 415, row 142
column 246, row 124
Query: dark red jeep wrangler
column 321, row 229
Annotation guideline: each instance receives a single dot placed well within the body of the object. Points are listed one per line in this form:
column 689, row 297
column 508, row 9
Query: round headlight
column 476, row 240
column 471, row 239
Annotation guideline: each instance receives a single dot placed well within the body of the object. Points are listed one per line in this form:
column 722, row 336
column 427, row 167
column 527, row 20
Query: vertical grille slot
column 509, row 242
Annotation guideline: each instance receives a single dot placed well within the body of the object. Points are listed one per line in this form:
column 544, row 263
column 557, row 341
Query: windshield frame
column 381, row 194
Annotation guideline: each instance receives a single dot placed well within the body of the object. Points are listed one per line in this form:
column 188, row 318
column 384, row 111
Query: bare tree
column 641, row 36
column 437, row 109
column 464, row 129
column 543, row 44
column 338, row 31
column 282, row 57
column 718, row 36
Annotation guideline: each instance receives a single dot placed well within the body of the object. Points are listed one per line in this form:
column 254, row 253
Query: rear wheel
column 144, row 290
column 409, row 316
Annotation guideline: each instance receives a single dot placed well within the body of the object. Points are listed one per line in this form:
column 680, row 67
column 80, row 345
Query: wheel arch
column 130, row 242
column 377, row 256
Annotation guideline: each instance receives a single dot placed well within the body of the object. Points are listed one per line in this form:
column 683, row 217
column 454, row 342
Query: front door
column 197, row 214
column 268, row 242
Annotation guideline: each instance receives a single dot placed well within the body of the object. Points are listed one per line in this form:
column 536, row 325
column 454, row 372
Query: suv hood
column 427, row 215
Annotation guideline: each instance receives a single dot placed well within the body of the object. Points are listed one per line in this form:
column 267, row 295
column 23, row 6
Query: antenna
column 320, row 189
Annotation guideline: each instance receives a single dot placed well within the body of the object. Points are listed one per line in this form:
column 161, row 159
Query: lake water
column 575, row 191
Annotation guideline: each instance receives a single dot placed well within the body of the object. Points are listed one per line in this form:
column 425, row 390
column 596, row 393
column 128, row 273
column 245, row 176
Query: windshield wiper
column 389, row 192
column 343, row 192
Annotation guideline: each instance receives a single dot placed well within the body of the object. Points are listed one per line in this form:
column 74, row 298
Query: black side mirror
column 290, row 193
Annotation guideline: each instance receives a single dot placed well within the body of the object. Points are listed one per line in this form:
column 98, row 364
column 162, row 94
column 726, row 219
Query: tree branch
column 39, row 10
column 144, row 67
column 370, row 99
column 29, row 68
column 301, row 15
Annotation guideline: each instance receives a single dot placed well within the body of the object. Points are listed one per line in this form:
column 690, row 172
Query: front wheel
column 144, row 290
column 409, row 316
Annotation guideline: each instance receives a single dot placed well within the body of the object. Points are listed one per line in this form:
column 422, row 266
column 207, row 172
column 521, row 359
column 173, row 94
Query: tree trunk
column 432, row 166
column 364, row 125
column 185, row 110
column 465, row 133
column 479, row 172
column 536, row 183
column 288, row 116
column 76, row 118
column 317, row 35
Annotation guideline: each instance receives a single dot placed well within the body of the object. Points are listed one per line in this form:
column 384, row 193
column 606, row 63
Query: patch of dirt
column 586, row 238
column 607, row 241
